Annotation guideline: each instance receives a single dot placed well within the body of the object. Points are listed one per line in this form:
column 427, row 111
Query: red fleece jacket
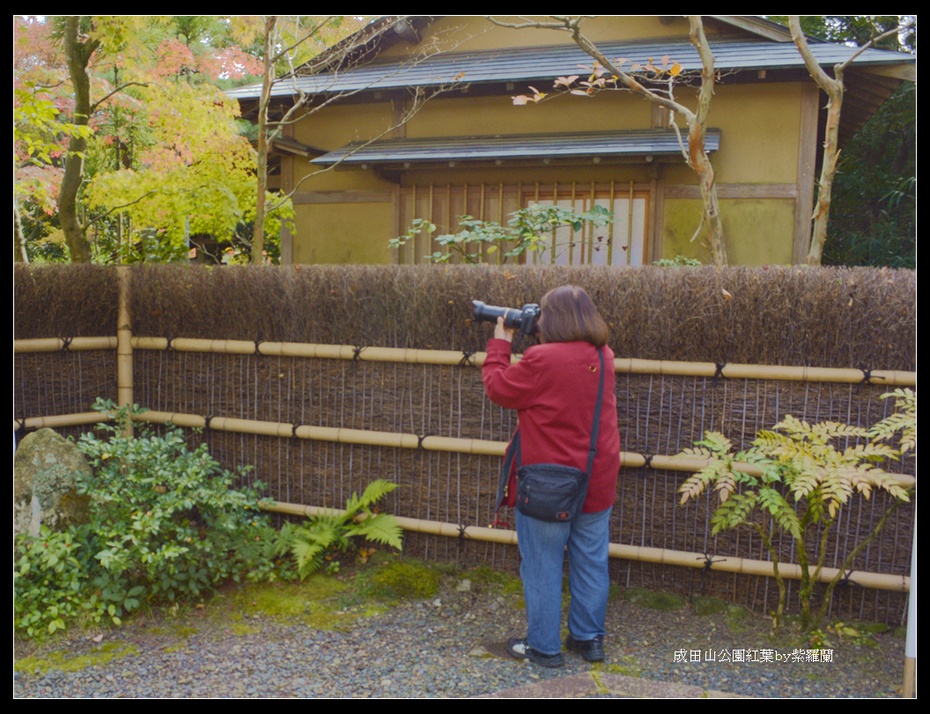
column 554, row 389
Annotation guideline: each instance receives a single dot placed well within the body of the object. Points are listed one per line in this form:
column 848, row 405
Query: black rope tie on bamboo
column 845, row 580
column 169, row 347
column 867, row 377
column 709, row 562
column 647, row 462
column 466, row 359
column 22, row 423
column 463, row 535
column 258, row 342
column 206, row 422
column 66, row 344
column 420, row 440
column 294, row 428
column 357, row 353
column 718, row 372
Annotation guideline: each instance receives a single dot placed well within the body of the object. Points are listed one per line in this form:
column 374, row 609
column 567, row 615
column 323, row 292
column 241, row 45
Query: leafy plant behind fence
column 798, row 483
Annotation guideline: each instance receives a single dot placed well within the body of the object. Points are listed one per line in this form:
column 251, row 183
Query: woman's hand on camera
column 501, row 332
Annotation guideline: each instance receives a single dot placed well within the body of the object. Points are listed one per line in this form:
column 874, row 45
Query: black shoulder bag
column 552, row 492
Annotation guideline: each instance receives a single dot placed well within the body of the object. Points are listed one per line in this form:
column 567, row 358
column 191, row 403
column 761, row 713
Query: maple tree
column 655, row 82
column 126, row 146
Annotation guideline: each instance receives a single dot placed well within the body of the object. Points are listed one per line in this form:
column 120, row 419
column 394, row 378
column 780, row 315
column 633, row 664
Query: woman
column 554, row 388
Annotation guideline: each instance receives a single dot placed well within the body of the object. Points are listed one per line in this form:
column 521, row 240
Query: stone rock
column 45, row 472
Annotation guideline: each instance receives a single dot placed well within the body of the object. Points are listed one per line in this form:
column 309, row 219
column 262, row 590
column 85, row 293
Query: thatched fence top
column 831, row 317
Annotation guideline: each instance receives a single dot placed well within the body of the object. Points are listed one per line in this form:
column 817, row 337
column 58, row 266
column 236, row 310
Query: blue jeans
column 542, row 551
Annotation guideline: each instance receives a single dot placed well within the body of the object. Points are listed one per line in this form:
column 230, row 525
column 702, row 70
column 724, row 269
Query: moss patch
column 67, row 662
column 402, row 580
column 663, row 601
column 318, row 601
column 708, row 606
column 739, row 618
column 487, row 578
column 628, row 666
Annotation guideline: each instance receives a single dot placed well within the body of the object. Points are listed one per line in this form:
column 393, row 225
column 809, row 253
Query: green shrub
column 528, row 229
column 50, row 576
column 165, row 525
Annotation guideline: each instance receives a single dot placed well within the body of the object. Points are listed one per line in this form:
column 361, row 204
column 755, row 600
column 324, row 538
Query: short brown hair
column 567, row 314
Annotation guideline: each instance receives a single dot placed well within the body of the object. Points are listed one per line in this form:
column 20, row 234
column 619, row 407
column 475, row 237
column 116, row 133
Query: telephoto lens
column 523, row 319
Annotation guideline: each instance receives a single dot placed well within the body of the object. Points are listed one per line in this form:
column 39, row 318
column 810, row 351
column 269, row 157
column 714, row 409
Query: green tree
column 874, row 216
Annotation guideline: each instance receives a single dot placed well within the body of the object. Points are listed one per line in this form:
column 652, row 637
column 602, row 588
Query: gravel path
column 452, row 646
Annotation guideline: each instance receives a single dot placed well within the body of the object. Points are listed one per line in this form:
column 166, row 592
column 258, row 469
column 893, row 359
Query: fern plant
column 793, row 480
column 334, row 530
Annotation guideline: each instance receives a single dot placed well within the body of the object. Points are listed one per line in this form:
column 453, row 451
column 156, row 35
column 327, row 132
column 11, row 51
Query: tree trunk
column 705, row 173
column 19, row 242
column 261, row 166
column 697, row 153
column 831, row 153
column 78, row 55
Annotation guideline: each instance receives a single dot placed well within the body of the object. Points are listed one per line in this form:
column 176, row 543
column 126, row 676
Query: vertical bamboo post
column 500, row 219
column 555, row 245
column 910, row 645
column 124, row 378
column 629, row 227
column 571, row 234
column 612, row 207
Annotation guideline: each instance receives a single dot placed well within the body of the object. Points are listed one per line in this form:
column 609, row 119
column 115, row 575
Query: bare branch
column 874, row 41
column 419, row 100
column 121, row 207
column 816, row 72
column 120, row 88
column 694, row 152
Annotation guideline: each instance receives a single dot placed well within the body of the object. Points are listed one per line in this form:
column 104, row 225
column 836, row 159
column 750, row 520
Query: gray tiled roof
column 542, row 64
column 538, row 146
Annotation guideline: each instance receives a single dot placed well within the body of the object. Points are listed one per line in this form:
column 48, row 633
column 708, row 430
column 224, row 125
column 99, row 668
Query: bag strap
column 513, row 449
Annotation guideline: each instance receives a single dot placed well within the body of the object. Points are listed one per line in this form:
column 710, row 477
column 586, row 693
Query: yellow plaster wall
column 760, row 132
column 462, row 34
column 757, row 231
column 476, row 116
column 344, row 233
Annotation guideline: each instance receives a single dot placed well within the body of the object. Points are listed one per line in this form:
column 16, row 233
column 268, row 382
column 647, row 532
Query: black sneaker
column 518, row 649
column 590, row 650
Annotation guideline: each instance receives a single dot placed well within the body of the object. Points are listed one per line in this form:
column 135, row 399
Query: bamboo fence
column 319, row 421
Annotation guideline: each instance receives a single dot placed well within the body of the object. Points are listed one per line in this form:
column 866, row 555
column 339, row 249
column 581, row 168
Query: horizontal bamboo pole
column 56, row 344
column 890, row 378
column 333, row 434
column 59, row 420
column 376, row 438
column 762, row 371
column 296, row 349
column 745, row 566
column 415, row 525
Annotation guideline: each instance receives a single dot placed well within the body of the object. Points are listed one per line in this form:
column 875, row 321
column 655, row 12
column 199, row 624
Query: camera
column 523, row 319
